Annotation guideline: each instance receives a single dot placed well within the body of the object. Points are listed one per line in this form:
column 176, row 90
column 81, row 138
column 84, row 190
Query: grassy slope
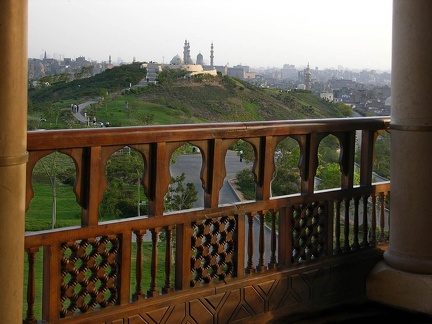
column 216, row 100
column 195, row 100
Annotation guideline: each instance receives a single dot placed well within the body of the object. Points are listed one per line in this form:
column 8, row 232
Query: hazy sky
column 355, row 34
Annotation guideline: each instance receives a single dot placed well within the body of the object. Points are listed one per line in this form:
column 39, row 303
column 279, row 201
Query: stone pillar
column 404, row 279
column 13, row 157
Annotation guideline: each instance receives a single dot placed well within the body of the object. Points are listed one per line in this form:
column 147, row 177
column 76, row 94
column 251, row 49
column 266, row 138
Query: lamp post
column 106, row 103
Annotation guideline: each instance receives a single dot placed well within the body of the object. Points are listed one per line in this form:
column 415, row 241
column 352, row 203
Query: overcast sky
column 355, row 34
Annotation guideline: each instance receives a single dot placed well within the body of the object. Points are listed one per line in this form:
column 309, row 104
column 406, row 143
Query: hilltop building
column 198, row 66
column 185, row 63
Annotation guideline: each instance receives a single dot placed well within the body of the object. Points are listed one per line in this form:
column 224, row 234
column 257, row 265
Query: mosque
column 187, row 59
column 195, row 67
column 185, row 63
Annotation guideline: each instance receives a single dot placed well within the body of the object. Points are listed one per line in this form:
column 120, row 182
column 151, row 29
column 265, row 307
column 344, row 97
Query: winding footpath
column 82, row 106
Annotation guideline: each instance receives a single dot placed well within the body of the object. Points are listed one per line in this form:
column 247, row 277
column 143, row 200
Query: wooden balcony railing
column 322, row 244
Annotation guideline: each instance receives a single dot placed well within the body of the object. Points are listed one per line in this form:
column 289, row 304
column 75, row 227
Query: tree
column 46, row 80
column 126, row 168
column 168, row 75
column 285, row 182
column 382, row 155
column 64, row 77
column 84, row 72
column 245, row 181
column 111, row 197
column 244, row 151
column 59, row 171
column 329, row 176
column 344, row 109
column 51, row 113
column 286, row 177
column 180, row 195
column 329, row 150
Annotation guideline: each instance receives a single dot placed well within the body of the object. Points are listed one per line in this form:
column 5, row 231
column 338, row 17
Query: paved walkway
column 80, row 114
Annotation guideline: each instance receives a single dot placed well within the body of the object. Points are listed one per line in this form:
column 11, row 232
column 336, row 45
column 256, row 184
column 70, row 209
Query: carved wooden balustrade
column 322, row 244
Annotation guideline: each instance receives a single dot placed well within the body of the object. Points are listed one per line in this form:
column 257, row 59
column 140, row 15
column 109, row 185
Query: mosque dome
column 301, row 86
column 388, row 101
column 176, row 60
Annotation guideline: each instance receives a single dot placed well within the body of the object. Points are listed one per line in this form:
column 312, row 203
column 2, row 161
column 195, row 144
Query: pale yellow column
column 13, row 142
column 404, row 279
column 411, row 138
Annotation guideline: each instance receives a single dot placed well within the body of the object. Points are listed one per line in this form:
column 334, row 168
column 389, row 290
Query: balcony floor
column 356, row 314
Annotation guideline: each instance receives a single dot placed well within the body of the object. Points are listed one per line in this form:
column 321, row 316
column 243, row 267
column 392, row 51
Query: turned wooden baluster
column 356, row 245
column 374, row 221
column 31, row 256
column 139, row 265
column 337, row 234
column 388, row 208
column 168, row 260
column 346, row 247
column 250, row 249
column 365, row 222
column 261, row 246
column 273, row 264
column 381, row 199
column 153, row 270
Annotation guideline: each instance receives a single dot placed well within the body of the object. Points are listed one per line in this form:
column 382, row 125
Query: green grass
column 39, row 215
column 252, row 109
column 119, row 116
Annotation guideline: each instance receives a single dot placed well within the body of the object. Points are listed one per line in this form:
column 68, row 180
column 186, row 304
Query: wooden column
column 405, row 278
column 13, row 155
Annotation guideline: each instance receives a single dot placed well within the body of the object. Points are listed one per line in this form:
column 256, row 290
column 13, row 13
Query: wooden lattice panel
column 308, row 235
column 213, row 249
column 89, row 274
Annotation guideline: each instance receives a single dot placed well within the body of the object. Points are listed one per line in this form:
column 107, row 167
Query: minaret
column 45, row 57
column 211, row 55
column 307, row 78
column 185, row 51
column 109, row 60
column 189, row 58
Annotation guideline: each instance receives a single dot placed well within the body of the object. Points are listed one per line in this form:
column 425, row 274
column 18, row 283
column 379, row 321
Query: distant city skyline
column 326, row 34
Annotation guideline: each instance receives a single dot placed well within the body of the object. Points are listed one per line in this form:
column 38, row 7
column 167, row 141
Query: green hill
column 223, row 99
column 176, row 99
column 114, row 79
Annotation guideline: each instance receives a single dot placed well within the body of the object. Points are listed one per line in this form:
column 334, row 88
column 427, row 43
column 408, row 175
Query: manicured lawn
column 39, row 215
